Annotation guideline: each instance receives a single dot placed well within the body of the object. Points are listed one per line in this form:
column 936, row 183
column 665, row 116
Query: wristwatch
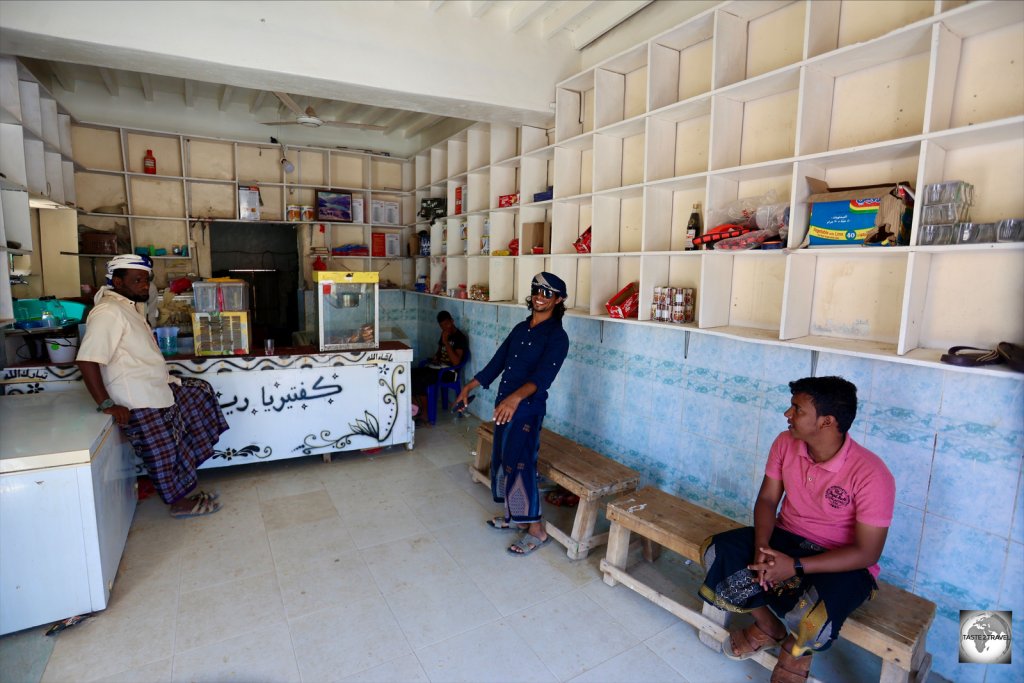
column 107, row 403
column 798, row 566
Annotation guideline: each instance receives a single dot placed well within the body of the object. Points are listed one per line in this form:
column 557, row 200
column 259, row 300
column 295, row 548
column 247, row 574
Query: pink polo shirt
column 823, row 502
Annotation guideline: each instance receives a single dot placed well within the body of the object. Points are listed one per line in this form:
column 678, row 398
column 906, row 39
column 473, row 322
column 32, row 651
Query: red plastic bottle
column 319, row 264
column 149, row 163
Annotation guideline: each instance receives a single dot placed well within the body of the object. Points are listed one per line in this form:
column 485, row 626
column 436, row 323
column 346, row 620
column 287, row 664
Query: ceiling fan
column 309, row 118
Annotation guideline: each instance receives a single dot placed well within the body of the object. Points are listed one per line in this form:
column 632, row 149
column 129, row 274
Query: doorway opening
column 266, row 256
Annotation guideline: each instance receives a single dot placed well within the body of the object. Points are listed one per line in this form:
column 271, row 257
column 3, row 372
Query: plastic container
column 62, row 349
column 949, row 192
column 149, row 163
column 944, row 213
column 294, row 212
column 234, row 296
column 167, row 340
column 1010, row 230
column 974, row 233
column 936, row 234
column 187, row 346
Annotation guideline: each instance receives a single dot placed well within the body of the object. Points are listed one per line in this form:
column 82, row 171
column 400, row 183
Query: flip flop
column 499, row 524
column 203, row 506
column 209, row 495
column 971, row 356
column 527, row 543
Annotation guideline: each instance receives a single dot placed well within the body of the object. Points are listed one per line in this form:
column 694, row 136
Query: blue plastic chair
column 441, row 388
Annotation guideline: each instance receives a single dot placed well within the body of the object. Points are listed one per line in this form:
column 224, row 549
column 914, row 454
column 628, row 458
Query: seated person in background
column 801, row 574
column 451, row 349
column 172, row 423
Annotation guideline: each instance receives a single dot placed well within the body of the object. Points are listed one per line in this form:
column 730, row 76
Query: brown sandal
column 746, row 643
column 791, row 669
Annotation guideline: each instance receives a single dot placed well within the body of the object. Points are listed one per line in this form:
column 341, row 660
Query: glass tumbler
column 1010, row 230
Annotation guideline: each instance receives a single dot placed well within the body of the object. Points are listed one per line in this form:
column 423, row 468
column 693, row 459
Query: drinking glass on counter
column 268, row 346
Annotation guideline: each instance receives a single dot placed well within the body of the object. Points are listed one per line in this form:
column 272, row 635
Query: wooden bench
column 586, row 473
column 893, row 625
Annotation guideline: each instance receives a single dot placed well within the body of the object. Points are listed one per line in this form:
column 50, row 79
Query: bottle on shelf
column 693, row 227
column 149, row 163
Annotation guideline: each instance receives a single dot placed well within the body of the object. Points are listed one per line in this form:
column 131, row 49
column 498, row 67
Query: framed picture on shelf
column 333, row 206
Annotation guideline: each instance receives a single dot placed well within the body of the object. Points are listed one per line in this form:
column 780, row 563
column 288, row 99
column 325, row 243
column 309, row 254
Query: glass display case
column 347, row 304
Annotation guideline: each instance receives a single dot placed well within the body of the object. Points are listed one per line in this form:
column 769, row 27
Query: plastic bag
column 750, row 240
column 742, row 211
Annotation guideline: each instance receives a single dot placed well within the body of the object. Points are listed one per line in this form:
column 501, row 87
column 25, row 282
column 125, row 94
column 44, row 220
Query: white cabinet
column 755, row 97
column 67, row 497
column 198, row 179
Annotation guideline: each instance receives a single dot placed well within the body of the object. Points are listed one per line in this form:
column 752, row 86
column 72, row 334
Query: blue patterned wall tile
column 666, row 406
column 908, row 385
column 966, row 472
column 783, row 364
column 1017, row 530
column 722, row 420
column 960, row 566
column 1011, row 596
column 731, row 356
column 902, row 545
column 664, row 343
column 910, row 464
column 994, row 401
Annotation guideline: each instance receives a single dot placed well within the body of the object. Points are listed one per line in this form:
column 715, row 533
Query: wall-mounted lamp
column 288, row 166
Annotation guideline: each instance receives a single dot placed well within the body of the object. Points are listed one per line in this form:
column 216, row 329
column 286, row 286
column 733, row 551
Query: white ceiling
column 107, row 86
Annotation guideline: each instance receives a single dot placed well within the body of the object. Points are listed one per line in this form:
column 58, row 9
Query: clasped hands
column 771, row 567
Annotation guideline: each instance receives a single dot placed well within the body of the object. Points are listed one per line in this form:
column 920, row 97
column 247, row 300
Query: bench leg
column 718, row 616
column 651, row 550
column 920, row 666
column 618, row 550
column 583, row 529
column 480, row 470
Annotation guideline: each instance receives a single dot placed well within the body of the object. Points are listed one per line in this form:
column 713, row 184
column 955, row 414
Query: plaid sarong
column 173, row 442
column 514, row 468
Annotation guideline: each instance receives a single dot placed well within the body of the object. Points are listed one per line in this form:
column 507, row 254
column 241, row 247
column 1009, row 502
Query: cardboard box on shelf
column 508, row 200
column 536, row 235
column 357, row 210
column 625, row 304
column 377, row 244
column 878, row 214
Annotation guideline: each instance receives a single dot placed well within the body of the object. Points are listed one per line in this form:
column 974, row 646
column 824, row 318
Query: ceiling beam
column 386, row 116
column 400, row 121
column 426, row 121
column 109, row 80
column 225, row 97
column 288, row 102
column 563, row 17
column 257, row 101
column 525, row 11
column 439, row 124
column 189, row 94
column 345, row 111
column 604, row 17
column 147, row 86
column 63, row 76
column 478, row 8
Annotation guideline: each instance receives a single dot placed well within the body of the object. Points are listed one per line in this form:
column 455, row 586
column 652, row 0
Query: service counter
column 293, row 403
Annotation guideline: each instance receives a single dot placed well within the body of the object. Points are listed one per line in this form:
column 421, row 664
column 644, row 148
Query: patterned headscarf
column 129, row 261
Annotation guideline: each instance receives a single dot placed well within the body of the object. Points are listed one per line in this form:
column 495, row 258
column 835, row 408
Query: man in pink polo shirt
column 800, row 574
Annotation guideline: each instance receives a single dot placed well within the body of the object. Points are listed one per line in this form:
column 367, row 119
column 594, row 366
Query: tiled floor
column 379, row 568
